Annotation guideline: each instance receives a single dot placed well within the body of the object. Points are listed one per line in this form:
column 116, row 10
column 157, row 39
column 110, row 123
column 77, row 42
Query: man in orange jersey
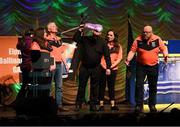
column 147, row 46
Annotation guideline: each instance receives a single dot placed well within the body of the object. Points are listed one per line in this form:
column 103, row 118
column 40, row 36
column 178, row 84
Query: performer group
column 99, row 62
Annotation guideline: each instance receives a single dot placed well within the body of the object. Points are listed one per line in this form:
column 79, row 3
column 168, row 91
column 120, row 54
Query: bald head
column 148, row 28
column 147, row 32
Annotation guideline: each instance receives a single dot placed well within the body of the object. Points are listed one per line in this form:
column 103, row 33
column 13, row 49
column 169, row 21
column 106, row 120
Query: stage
column 125, row 116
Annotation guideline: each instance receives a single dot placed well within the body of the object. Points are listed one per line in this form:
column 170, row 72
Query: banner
column 9, row 61
column 168, row 88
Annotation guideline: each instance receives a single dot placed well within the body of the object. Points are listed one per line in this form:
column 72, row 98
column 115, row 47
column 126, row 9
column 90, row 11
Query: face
column 52, row 27
column 147, row 32
column 110, row 36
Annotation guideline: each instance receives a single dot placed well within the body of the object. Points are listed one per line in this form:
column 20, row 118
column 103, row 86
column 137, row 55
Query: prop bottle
column 92, row 26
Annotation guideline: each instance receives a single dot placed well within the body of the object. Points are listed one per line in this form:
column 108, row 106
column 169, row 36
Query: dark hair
column 116, row 40
column 26, row 33
column 29, row 32
column 39, row 37
column 46, row 30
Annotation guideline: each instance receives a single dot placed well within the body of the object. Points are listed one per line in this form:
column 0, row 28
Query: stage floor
column 125, row 116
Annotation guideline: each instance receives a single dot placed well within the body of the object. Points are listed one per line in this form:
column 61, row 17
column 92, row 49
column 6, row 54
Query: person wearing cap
column 92, row 48
column 147, row 46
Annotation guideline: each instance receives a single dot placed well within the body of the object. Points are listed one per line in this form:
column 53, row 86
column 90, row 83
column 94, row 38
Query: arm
column 118, row 59
column 129, row 57
column 131, row 52
column 163, row 48
column 165, row 54
column 107, row 58
column 52, row 67
column 57, row 42
column 63, row 53
column 77, row 36
column 103, row 63
column 65, row 63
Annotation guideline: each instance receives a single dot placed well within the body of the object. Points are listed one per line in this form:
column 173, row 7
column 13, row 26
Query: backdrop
column 163, row 15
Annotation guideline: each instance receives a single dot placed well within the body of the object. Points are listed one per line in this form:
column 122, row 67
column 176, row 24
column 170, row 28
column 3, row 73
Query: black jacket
column 92, row 49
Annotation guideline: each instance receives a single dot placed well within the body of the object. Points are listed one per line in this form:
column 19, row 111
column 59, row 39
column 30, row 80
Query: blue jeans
column 57, row 76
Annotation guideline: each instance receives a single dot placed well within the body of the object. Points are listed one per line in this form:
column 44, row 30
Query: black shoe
column 114, row 108
column 101, row 108
column 78, row 107
column 152, row 109
column 93, row 108
column 138, row 109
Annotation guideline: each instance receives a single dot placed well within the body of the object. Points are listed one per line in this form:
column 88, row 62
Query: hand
column 108, row 71
column 59, row 42
column 166, row 59
column 67, row 68
column 81, row 27
column 52, row 67
column 127, row 62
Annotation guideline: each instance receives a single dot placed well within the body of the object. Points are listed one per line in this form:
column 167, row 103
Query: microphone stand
column 75, row 28
column 69, row 30
column 166, row 107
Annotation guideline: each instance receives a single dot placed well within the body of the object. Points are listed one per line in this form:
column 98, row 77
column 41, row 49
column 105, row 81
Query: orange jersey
column 147, row 51
column 115, row 59
column 57, row 51
column 35, row 46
